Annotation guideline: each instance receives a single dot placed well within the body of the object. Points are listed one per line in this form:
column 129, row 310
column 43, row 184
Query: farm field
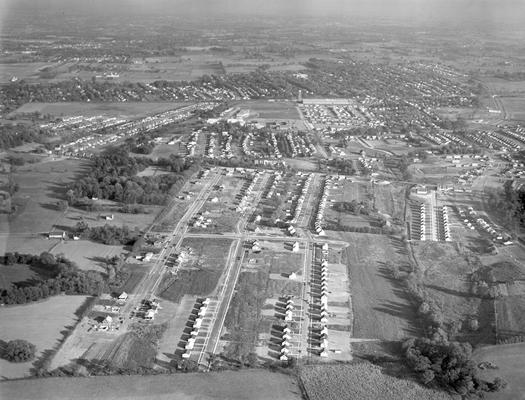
column 361, row 381
column 120, row 109
column 381, row 308
column 40, row 323
column 259, row 384
column 510, row 360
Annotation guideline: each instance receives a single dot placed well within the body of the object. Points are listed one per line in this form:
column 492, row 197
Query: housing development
column 256, row 207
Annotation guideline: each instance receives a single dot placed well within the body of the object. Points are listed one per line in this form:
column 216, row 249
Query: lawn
column 40, row 323
column 361, row 381
column 510, row 360
column 381, row 308
column 232, row 385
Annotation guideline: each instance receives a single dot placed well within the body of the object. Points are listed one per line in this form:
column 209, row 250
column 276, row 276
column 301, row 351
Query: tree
column 19, row 350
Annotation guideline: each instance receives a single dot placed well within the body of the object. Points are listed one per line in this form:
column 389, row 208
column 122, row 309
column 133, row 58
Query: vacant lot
column 40, row 323
column 253, row 384
column 510, row 359
column 200, row 274
column 361, row 381
column 117, row 109
column 381, row 308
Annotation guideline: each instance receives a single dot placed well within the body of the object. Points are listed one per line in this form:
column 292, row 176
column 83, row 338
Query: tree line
column 64, row 277
column 113, row 176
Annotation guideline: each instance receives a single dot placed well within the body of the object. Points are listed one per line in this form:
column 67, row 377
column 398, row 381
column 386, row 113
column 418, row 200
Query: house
column 57, row 235
column 123, row 296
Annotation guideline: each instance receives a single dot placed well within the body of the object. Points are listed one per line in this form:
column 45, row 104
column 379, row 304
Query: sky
column 494, row 11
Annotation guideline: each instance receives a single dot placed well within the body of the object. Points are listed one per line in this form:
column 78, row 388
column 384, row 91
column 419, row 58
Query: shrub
column 19, row 351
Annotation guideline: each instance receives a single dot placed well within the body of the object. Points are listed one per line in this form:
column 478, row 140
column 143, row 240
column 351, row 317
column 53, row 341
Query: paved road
column 146, row 288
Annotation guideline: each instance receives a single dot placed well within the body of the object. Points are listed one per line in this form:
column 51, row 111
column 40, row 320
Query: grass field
column 41, row 186
column 271, row 110
column 20, row 70
column 87, row 255
column 232, row 385
column 40, row 323
column 381, row 308
column 510, row 360
column 200, row 275
column 15, row 273
column 361, row 381
column 120, row 109
column 515, row 107
column 510, row 317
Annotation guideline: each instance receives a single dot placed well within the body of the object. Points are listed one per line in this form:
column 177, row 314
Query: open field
column 510, row 360
column 41, row 186
column 86, row 254
column 200, row 274
column 255, row 384
column 40, row 323
column 380, row 306
column 514, row 107
column 271, row 109
column 120, row 109
column 15, row 273
column 361, row 381
column 20, row 70
column 254, row 309
column 510, row 317
column 446, row 269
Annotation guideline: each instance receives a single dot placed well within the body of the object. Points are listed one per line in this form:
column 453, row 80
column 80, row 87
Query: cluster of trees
column 65, row 278
column 12, row 135
column 107, row 234
column 353, row 207
column 448, row 365
column 113, row 177
column 19, row 350
column 514, row 202
column 343, row 165
column 140, row 145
